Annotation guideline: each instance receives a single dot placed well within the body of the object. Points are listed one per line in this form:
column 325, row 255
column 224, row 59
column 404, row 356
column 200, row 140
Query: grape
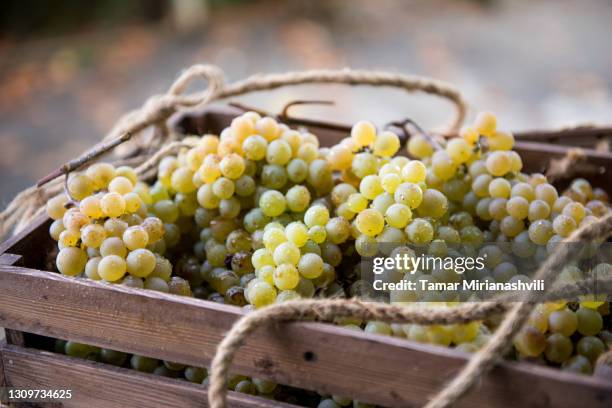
column 71, row 261
column 232, row 166
column 398, row 215
column 485, row 123
column 135, row 237
column 73, row 219
column 459, row 150
column 101, row 174
column 363, row 133
column 272, row 203
column 297, row 170
column 414, row 171
column 286, row 276
column 530, row 342
column 337, row 230
column 498, row 163
column 590, row 347
column 574, row 210
column 469, row 134
column 497, row 208
column 310, row 266
column 558, row 348
column 92, row 235
column 480, row 185
column 523, row 190
column 378, row 328
column 419, row 147
column 500, row 141
column 286, row 253
column 538, row 210
column 80, row 186
column 112, row 268
column 364, row 164
column 443, row 165
column 518, row 207
column 499, row 188
column 140, row 263
column 316, row 215
column 113, row 246
column 540, row 231
column 590, row 321
column 298, row 198
column 409, row 194
column 370, row 222
column 273, row 237
column 255, row 147
column 386, row 144
column 420, row 231
column 434, row 204
column 578, row 364
column 112, row 204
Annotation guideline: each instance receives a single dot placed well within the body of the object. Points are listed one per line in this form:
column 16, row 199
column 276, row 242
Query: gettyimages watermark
column 439, row 272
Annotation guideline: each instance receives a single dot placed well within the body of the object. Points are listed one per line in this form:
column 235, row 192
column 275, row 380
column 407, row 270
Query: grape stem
column 403, row 125
column 74, row 164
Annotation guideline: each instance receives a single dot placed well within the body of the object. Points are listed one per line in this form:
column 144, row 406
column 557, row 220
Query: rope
column 157, row 110
column 327, row 310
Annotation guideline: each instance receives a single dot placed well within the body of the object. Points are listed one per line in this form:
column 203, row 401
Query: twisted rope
column 329, row 309
column 157, row 110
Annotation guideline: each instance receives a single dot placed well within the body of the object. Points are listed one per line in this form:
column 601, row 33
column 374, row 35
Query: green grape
column 443, row 165
column 223, row 188
column 414, row 171
column 331, row 254
column 337, row 230
column 480, row 185
column 518, row 207
column 135, row 237
column 210, row 169
column 91, row 268
column 530, row 342
column 144, row 364
column 378, row 328
column 112, row 268
column 398, row 215
column 485, row 123
column 112, row 204
column 167, row 210
column 564, row 322
column 546, row 193
column 420, row 231
column 116, row 358
column 92, row 235
column 232, row 166
column 408, row 194
column 80, row 186
column 501, row 141
column 262, row 257
column 316, row 215
column 357, row 202
column 504, row 271
column 538, row 210
column 419, row 146
column 140, row 262
column 499, row 188
column 370, row 222
column 540, row 231
column 558, row 348
column 434, row 204
column 370, row 186
column 286, row 253
column 448, row 234
column 255, row 147
column 273, row 176
column 266, row 273
column 498, row 163
column 590, row 347
column 310, row 266
column 71, row 261
column 320, row 176
column 389, row 182
column 55, row 207
column 298, row 198
column 307, row 152
column 260, row 293
column 590, row 321
column 156, row 284
column 264, row 386
column 80, row 350
column 272, row 203
column 386, row 144
column 101, row 174
column 229, row 208
column 317, row 234
column 497, row 208
column 115, row 227
column 364, row 164
column 162, row 269
column 297, row 170
column 511, row 227
column 574, row 210
column 459, row 150
column 90, row 206
column 273, row 237
column 471, row 235
column 363, row 133
column 578, row 364
column 244, row 186
column 195, row 374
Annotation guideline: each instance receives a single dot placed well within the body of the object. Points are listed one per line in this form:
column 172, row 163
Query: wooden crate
column 329, row 359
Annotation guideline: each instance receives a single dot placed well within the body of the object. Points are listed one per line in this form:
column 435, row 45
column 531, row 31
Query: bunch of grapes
column 262, row 214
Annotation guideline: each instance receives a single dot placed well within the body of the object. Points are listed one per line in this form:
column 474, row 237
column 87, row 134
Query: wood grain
column 96, row 385
column 329, row 359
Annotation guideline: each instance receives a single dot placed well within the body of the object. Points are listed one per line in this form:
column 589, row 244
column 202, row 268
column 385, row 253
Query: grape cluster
column 262, row 214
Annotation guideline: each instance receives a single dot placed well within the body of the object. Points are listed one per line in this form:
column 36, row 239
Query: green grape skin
column 590, row 347
column 590, row 321
column 558, row 348
column 143, row 364
column 578, row 364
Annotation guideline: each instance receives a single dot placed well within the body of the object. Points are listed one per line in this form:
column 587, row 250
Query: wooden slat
column 371, row 368
column 96, row 385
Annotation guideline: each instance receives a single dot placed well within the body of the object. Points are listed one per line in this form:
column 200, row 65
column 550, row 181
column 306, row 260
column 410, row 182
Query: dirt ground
column 538, row 64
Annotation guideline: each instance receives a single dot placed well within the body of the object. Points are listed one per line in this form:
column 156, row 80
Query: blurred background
column 69, row 69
